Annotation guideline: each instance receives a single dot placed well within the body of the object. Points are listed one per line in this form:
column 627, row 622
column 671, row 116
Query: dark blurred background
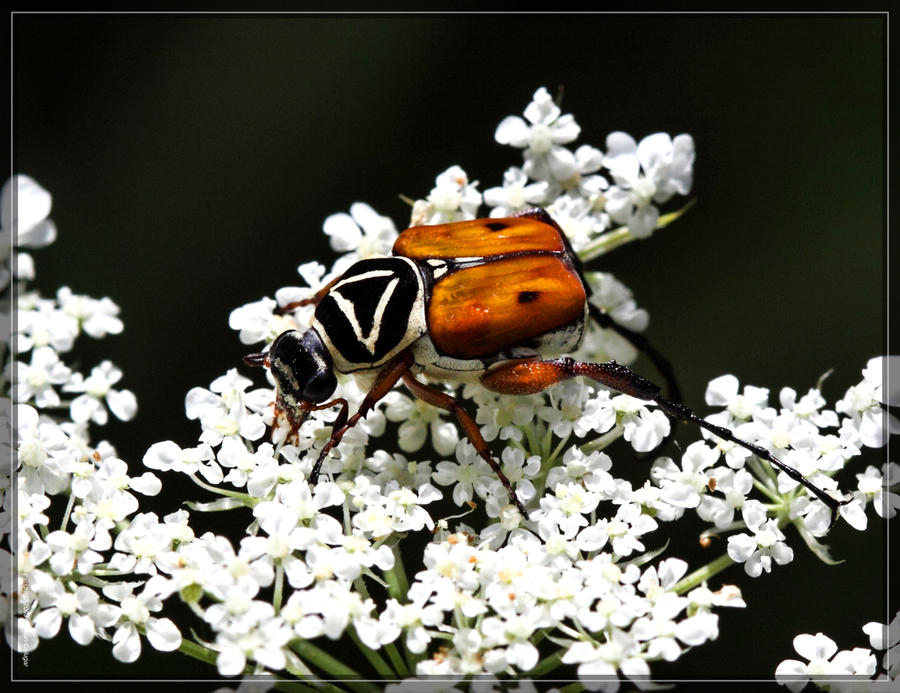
column 193, row 159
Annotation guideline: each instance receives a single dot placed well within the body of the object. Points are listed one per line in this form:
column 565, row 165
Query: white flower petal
column 163, row 634
column 513, row 131
column 122, row 403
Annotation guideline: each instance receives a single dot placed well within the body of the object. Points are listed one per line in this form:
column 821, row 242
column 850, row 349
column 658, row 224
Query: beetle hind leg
column 529, row 377
column 640, row 342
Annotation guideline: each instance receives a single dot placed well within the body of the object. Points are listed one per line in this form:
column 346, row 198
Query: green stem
column 332, row 666
column 400, row 665
column 613, row 239
column 69, row 507
column 398, row 585
column 244, row 498
column 534, row 447
column 279, row 587
column 603, row 441
column 555, row 454
column 192, row 649
column 700, row 575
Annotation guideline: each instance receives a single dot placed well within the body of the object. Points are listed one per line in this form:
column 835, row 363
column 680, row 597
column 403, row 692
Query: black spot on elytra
column 495, row 225
column 527, row 296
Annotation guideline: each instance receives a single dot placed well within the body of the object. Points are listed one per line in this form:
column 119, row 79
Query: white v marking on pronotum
column 348, row 308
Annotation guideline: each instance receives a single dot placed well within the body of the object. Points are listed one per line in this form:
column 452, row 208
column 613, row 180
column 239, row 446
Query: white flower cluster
column 72, row 496
column 847, row 670
column 577, row 586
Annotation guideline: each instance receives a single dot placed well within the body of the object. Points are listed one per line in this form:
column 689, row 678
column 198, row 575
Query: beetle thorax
column 372, row 313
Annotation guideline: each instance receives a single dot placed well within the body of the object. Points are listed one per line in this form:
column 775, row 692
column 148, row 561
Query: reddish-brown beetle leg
column 533, row 376
column 528, row 377
column 442, row 400
column 387, row 378
column 314, row 301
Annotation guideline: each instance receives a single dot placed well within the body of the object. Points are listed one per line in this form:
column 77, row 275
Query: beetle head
column 302, row 368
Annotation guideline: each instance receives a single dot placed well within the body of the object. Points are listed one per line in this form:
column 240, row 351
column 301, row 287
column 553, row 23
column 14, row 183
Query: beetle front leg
column 387, row 378
column 313, row 301
column 529, row 377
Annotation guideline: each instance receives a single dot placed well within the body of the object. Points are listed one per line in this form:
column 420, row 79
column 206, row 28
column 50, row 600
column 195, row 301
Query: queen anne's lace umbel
column 580, row 587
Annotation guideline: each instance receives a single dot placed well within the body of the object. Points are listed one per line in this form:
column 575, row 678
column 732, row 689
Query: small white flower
column 579, row 219
column 32, row 207
column 503, row 416
column 516, row 194
column 684, row 487
column 97, row 387
column 45, row 325
column 263, row 643
column 731, row 490
column 32, row 227
column 724, row 392
column 541, row 138
column 868, row 422
column 404, row 506
column 886, row 637
column 97, row 317
column 453, row 198
column 162, row 633
column 621, row 532
column 758, row 552
column 141, row 543
column 652, row 171
column 363, row 232
column 168, row 456
column 598, row 665
column 223, row 409
column 46, row 454
column 82, row 608
column 418, row 420
column 72, row 552
column 36, row 380
column 822, row 665
column 568, row 401
column 257, row 321
column 808, row 407
column 643, row 428
column 464, row 474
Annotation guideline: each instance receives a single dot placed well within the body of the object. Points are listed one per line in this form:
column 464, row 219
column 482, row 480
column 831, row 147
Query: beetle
column 493, row 301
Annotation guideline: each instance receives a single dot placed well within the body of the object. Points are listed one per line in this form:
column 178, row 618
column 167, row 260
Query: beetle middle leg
column 442, row 400
column 529, row 377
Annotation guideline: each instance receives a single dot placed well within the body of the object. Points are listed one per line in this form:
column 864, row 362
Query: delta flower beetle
column 494, row 301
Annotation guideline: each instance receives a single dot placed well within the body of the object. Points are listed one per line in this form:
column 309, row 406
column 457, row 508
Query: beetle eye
column 302, row 366
column 320, row 386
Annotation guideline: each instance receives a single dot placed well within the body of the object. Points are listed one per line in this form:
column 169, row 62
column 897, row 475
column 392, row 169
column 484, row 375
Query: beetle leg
column 528, row 377
column 640, row 342
column 387, row 378
column 442, row 400
column 314, row 301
